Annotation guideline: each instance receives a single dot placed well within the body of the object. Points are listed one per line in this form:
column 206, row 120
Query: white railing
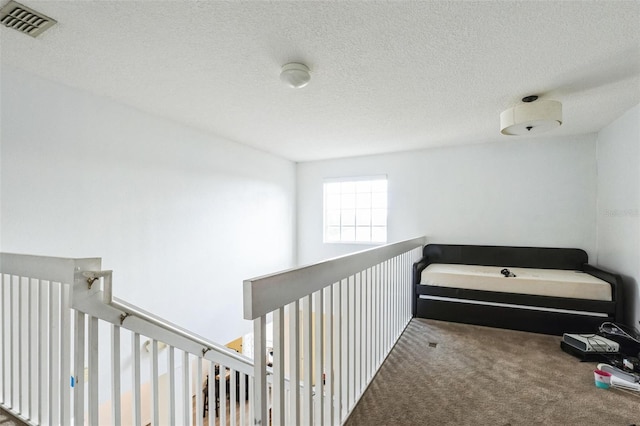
column 333, row 324
column 70, row 353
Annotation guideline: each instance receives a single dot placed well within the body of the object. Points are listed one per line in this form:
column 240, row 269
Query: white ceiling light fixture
column 295, row 75
column 531, row 116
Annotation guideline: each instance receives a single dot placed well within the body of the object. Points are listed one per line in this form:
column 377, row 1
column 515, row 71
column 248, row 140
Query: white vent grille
column 21, row 18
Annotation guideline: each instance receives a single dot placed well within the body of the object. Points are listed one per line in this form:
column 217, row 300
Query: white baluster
column 155, row 376
column 222, row 391
column 337, row 352
column 234, row 396
column 93, row 370
column 65, row 355
column 54, row 353
column 4, row 345
column 199, row 409
column 307, row 408
column 116, row 412
column 260, row 371
column 186, row 390
column 277, row 405
column 328, row 356
column 171, row 371
column 18, row 375
column 243, row 392
column 135, row 368
column 346, row 345
column 294, row 361
column 318, row 356
column 78, row 365
column 211, row 394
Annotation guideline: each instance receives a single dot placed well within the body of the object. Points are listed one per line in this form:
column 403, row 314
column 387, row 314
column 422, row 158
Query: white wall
column 618, row 220
column 538, row 192
column 181, row 216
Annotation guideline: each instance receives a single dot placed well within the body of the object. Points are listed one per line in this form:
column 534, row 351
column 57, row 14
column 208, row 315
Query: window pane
column 348, row 187
column 363, row 201
column 363, row 217
column 348, row 217
column 348, row 201
column 363, row 186
column 333, row 233
column 332, row 187
column 379, row 217
column 333, row 218
column 379, row 234
column 379, row 200
column 333, row 201
column 348, row 233
column 379, row 185
column 363, row 233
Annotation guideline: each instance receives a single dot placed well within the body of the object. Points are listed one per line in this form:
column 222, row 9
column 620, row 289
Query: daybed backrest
column 525, row 257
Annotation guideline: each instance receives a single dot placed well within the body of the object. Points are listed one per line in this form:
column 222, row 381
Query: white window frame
column 358, row 215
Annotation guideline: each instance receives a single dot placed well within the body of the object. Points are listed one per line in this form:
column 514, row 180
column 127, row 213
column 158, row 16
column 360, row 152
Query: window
column 355, row 210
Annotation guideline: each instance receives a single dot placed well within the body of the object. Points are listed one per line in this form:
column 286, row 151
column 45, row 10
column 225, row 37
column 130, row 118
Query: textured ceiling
column 386, row 76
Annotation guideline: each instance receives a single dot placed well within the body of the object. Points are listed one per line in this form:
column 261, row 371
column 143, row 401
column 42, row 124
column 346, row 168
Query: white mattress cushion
column 542, row 282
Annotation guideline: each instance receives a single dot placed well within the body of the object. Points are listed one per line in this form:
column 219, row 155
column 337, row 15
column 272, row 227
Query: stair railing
column 71, row 353
column 67, row 347
column 333, row 324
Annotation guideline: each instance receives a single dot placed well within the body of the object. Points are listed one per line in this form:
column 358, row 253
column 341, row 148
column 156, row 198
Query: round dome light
column 531, row 117
column 295, row 75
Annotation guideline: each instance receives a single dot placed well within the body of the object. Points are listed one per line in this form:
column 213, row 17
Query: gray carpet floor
column 442, row 373
column 8, row 420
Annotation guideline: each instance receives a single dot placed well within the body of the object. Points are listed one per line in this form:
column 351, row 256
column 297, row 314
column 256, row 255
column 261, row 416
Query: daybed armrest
column 431, row 253
column 418, row 267
column 616, row 286
column 417, row 271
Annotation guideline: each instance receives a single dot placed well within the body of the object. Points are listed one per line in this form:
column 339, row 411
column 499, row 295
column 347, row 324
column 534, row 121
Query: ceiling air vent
column 21, row 18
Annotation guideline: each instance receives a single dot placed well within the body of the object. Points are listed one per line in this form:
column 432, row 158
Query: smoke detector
column 21, row 18
column 295, row 75
column 531, row 116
